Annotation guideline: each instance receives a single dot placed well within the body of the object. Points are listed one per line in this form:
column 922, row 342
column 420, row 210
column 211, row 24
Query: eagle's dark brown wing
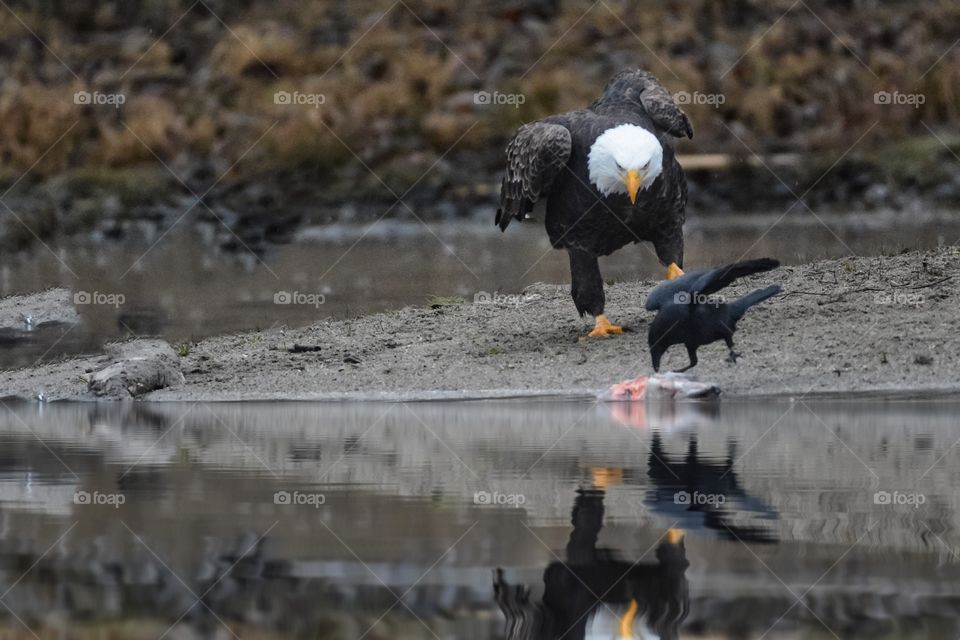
column 638, row 86
column 535, row 155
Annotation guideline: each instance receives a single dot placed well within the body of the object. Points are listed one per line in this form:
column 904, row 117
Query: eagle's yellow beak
column 633, row 181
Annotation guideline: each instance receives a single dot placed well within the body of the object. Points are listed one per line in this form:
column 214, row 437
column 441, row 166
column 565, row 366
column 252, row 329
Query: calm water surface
column 521, row 519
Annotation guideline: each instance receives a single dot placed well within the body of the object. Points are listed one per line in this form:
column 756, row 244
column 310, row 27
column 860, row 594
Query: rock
column 52, row 305
column 139, row 367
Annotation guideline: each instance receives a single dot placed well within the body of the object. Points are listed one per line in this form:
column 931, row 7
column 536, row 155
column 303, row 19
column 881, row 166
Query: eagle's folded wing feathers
column 536, row 154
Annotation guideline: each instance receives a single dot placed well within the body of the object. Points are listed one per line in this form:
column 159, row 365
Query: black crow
column 608, row 176
column 691, row 313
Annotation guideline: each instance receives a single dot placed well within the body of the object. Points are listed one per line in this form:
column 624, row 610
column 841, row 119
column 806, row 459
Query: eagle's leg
column 669, row 248
column 587, row 291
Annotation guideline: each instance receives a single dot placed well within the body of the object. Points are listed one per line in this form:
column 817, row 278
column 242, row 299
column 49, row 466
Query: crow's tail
column 741, row 305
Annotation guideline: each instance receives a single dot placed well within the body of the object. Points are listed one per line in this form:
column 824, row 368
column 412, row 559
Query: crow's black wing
column 535, row 155
column 667, row 291
column 703, row 283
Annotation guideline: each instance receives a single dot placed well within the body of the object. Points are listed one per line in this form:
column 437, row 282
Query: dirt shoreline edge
column 881, row 327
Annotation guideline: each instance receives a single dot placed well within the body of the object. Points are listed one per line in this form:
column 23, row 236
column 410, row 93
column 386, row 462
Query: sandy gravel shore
column 873, row 324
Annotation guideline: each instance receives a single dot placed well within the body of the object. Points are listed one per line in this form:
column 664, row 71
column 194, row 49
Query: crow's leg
column 587, row 290
column 656, row 353
column 692, row 352
column 732, row 357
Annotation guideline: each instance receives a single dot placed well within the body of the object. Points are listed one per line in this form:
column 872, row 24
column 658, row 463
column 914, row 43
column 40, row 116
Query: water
column 176, row 287
column 807, row 519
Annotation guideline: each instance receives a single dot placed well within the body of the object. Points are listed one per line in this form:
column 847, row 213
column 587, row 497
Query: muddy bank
column 878, row 324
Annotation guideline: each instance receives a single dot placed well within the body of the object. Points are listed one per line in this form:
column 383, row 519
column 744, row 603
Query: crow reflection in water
column 714, row 498
column 594, row 594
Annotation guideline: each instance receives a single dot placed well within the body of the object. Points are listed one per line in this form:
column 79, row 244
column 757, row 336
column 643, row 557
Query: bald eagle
column 609, row 177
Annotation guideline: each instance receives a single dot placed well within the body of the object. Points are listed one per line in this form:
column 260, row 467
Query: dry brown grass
column 403, row 88
column 34, row 117
column 149, row 126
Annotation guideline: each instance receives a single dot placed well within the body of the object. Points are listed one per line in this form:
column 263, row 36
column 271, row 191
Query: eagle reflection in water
column 594, row 595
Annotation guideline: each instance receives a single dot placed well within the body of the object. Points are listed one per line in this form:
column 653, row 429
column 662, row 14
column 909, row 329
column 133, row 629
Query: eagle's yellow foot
column 603, row 328
column 604, row 477
column 626, row 622
column 673, row 271
column 674, row 536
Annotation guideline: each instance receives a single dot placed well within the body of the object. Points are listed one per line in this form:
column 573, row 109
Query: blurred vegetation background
column 398, row 80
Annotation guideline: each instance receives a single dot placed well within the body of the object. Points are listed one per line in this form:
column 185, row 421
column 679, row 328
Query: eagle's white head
column 625, row 159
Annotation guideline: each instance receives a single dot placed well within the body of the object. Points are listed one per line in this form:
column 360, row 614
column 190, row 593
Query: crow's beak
column 633, row 181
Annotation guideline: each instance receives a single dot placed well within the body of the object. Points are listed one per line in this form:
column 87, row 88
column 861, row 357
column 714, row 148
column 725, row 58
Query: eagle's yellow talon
column 626, row 622
column 604, row 328
column 673, row 271
column 674, row 536
column 604, row 477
